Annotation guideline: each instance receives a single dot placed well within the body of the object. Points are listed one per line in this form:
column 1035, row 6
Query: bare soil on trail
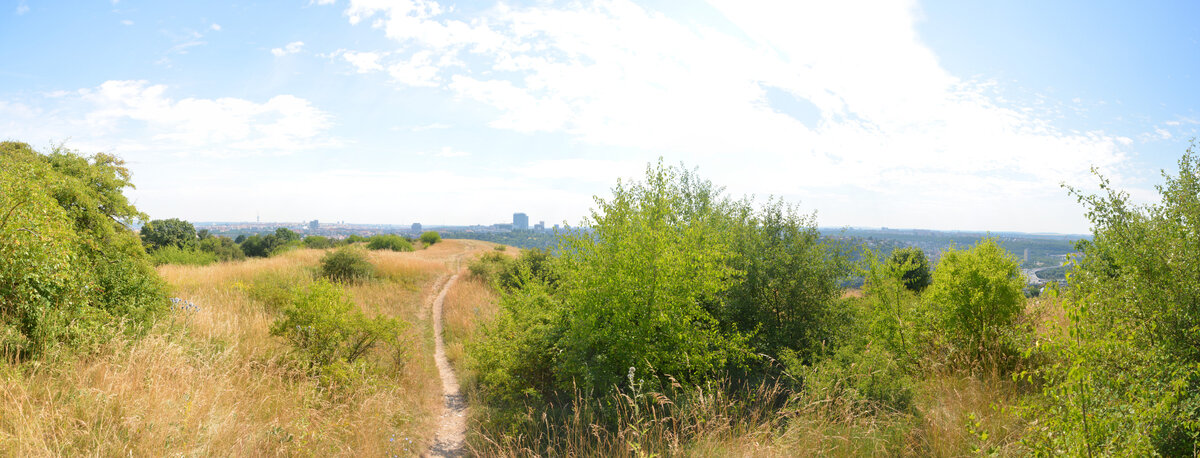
column 452, row 426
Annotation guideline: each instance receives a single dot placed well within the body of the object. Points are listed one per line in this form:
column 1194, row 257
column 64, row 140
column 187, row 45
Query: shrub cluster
column 330, row 333
column 70, row 270
column 428, row 238
column 389, row 242
column 347, row 265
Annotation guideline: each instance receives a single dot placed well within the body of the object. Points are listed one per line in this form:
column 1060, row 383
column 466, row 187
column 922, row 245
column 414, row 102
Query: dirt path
column 452, row 426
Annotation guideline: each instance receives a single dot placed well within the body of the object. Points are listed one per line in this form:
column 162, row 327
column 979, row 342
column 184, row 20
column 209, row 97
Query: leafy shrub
column 355, row 238
column 977, row 296
column 790, row 282
column 174, row 232
column 273, row 288
column 222, row 247
column 69, row 269
column 863, row 378
column 171, row 254
column 329, row 332
column 261, row 246
column 1127, row 377
column 913, row 266
column 429, row 238
column 389, row 242
column 347, row 265
column 318, row 242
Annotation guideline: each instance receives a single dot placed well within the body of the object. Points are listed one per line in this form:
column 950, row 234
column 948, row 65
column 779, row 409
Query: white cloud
column 418, row 70
column 364, row 62
column 139, row 119
column 290, row 48
column 892, row 121
column 126, row 22
column 22, row 8
column 215, row 27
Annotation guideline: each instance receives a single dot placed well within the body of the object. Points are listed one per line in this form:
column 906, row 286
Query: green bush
column 274, row 289
column 70, row 270
column 318, row 242
column 863, row 378
column 222, row 247
column 355, row 238
column 429, row 238
column 1126, row 381
column 389, row 242
column 976, row 297
column 329, row 332
column 174, row 232
column 914, row 268
column 347, row 265
column 171, row 254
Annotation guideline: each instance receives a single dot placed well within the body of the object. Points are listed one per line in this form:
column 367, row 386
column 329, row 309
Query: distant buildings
column 540, row 226
column 416, row 227
column 314, row 224
column 520, row 222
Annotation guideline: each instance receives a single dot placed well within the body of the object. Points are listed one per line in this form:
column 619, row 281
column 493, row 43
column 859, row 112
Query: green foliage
column 429, row 238
column 69, row 268
column 632, row 293
column 863, row 378
column 508, row 273
column 977, row 297
column 171, row 254
column 1128, row 381
column 330, row 332
column 355, row 238
column 788, row 296
column 347, row 265
column 914, row 267
column 318, row 242
column 894, row 317
column 261, row 246
column 389, row 242
column 172, row 232
column 223, row 248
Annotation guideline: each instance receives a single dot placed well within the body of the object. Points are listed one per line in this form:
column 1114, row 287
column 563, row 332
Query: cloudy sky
column 943, row 115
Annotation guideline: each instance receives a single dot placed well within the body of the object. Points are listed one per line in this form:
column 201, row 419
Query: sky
column 951, row 115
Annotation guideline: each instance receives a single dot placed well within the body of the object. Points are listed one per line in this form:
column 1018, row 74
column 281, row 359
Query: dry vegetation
column 212, row 380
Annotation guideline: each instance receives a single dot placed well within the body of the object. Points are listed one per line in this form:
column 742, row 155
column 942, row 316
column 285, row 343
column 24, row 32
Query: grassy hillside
column 209, row 379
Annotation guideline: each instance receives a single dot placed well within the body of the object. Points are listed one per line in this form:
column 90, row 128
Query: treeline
column 175, row 241
column 679, row 291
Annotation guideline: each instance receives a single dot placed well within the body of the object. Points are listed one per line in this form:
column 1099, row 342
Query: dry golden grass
column 469, row 303
column 214, row 382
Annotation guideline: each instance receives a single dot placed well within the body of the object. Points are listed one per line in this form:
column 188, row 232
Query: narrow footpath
column 452, row 426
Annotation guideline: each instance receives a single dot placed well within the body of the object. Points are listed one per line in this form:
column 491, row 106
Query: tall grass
column 212, row 381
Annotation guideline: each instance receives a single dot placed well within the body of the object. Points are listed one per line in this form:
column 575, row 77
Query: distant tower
column 520, row 221
column 1026, row 255
column 416, row 227
column 314, row 224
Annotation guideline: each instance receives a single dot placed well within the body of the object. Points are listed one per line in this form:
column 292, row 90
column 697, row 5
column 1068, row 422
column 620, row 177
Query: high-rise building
column 540, row 226
column 314, row 224
column 416, row 227
column 520, row 221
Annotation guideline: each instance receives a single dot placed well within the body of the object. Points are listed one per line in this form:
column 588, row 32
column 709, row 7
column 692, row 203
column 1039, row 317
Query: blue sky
column 943, row 115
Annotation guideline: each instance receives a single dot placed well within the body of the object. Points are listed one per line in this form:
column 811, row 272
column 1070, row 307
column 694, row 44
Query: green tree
column 318, row 242
column 169, row 232
column 977, row 296
column 914, row 266
column 1129, row 378
column 70, row 269
column 429, row 238
column 789, row 293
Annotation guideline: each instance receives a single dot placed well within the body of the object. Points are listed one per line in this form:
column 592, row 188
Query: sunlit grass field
column 209, row 379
